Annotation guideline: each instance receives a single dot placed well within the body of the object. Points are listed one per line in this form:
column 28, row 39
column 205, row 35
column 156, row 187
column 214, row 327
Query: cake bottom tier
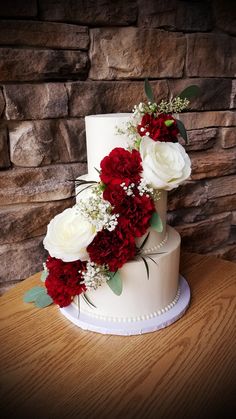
column 143, row 296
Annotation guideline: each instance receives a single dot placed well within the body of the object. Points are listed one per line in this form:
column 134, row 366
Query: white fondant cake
column 141, row 298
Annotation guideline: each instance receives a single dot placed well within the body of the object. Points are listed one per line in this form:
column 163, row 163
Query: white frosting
column 141, row 297
column 102, row 137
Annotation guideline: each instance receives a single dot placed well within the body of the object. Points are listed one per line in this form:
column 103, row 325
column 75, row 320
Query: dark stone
column 225, row 15
column 210, row 55
column 124, row 53
column 43, row 34
column 92, row 12
column 50, row 141
column 39, row 184
column 4, row 151
column 28, row 257
column 113, row 96
column 41, row 64
column 35, row 101
column 211, row 89
column 20, row 222
column 18, row 8
column 175, row 15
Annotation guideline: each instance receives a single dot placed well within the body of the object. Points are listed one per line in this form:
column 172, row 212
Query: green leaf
column 115, row 283
column 43, row 300
column 182, row 130
column 156, row 222
column 32, row 294
column 146, row 266
column 190, row 92
column 148, row 90
column 169, row 122
column 44, row 275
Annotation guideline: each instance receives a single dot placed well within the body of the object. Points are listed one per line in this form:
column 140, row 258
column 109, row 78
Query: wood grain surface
column 52, row 369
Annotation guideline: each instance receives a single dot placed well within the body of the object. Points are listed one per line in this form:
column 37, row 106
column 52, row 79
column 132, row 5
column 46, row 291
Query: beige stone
column 228, row 137
column 175, row 15
column 221, row 186
column 43, row 34
column 39, row 64
column 20, row 222
column 210, row 55
column 206, row 235
column 196, row 120
column 38, row 143
column 190, row 194
column 211, row 89
column 225, row 16
column 92, row 97
column 4, row 152
column 18, row 8
column 35, row 101
column 43, row 184
column 92, row 12
column 210, row 207
column 201, row 139
column 122, row 53
column 213, row 164
column 22, row 259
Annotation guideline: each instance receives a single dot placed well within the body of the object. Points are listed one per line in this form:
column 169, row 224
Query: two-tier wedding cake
column 113, row 264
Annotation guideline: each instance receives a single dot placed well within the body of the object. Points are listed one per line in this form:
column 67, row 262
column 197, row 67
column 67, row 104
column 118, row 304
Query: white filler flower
column 165, row 165
column 68, row 235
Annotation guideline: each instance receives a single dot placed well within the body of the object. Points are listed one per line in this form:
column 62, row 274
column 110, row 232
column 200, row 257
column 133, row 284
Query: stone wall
column 61, row 60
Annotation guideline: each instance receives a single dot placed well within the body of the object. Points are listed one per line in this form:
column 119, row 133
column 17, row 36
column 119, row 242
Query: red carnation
column 135, row 213
column 114, row 194
column 64, row 280
column 112, row 248
column 157, row 129
column 121, row 166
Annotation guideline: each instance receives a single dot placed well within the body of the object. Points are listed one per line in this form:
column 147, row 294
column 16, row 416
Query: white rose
column 165, row 165
column 68, row 235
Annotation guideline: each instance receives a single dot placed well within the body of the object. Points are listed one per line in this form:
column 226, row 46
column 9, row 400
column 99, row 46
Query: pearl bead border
column 138, row 318
column 157, row 247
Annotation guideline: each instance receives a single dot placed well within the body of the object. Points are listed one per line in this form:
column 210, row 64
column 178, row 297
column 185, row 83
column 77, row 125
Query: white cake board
column 86, row 322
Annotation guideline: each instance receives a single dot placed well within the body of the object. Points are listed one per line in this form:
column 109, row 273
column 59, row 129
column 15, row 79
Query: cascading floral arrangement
column 89, row 243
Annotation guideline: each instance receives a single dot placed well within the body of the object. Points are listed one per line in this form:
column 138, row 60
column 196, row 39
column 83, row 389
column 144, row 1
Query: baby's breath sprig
column 94, row 276
column 97, row 211
column 145, row 189
column 174, row 105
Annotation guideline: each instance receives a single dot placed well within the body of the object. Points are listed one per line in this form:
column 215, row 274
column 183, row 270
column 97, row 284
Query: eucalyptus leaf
column 43, row 300
column 182, row 130
column 32, row 294
column 148, row 91
column 190, row 92
column 44, row 275
column 156, row 222
column 115, row 283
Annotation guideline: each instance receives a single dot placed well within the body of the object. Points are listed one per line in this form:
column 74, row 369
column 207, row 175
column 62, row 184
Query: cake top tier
column 102, row 136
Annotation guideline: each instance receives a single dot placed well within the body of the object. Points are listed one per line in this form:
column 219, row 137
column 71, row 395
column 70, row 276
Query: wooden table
column 52, row 369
